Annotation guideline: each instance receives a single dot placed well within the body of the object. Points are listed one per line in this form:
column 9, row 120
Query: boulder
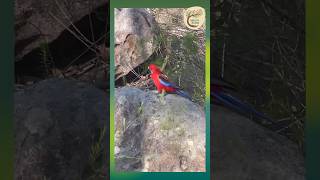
column 158, row 134
column 60, row 130
column 244, row 150
column 58, row 122
column 135, row 30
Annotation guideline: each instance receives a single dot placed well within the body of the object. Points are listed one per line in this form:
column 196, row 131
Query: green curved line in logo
column 189, row 22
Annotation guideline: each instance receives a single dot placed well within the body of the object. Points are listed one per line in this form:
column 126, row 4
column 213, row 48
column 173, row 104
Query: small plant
column 97, row 154
column 189, row 43
column 46, row 58
column 140, row 109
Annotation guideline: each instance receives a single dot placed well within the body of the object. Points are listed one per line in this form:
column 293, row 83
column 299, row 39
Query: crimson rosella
column 220, row 95
column 163, row 84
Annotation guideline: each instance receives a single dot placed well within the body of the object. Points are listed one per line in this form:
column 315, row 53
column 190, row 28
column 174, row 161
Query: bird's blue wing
column 165, row 81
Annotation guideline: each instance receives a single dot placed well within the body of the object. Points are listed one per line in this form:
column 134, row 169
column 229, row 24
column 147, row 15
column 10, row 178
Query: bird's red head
column 153, row 68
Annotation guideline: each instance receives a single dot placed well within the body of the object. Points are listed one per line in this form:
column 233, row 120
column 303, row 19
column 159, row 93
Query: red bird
column 163, row 84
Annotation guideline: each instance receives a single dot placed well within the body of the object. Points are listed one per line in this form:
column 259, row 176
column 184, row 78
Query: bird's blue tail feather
column 239, row 106
column 183, row 94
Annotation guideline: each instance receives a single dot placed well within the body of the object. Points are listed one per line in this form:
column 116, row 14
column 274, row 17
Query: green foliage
column 158, row 61
column 175, row 42
column 140, row 109
column 46, row 58
column 189, row 43
column 199, row 93
column 97, row 156
column 160, row 41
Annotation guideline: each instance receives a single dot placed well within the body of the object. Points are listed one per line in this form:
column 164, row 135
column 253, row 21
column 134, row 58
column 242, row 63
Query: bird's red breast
column 155, row 76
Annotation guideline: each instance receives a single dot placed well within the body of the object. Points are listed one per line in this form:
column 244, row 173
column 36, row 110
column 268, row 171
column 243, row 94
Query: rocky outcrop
column 58, row 124
column 244, row 150
column 167, row 134
column 135, row 30
column 158, row 134
column 38, row 22
column 60, row 130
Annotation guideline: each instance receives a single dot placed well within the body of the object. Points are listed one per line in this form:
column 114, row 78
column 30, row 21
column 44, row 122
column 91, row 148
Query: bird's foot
column 162, row 98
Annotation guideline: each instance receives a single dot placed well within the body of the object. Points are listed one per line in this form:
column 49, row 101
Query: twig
column 70, row 21
column 223, row 56
column 75, row 35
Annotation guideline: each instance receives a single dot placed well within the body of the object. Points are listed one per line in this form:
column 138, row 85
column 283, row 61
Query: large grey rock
column 57, row 123
column 135, row 30
column 158, row 134
column 244, row 150
column 36, row 20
